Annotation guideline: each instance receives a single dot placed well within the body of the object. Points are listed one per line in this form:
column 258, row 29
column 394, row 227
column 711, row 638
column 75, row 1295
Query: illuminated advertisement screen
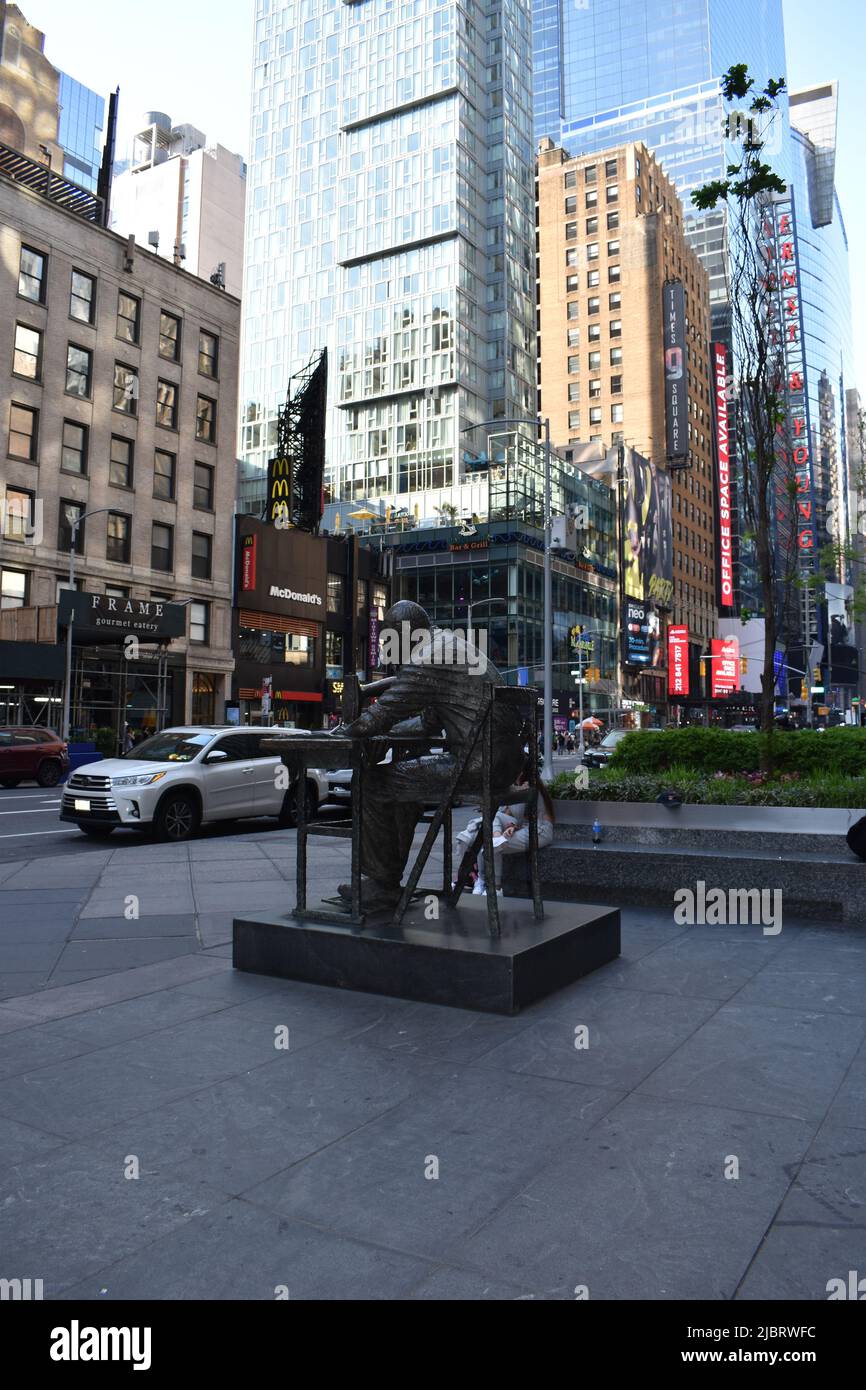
column 678, row 661
column 647, row 532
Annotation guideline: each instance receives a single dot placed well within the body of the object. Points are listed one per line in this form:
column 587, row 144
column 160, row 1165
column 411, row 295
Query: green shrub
column 828, row 789
column 841, row 751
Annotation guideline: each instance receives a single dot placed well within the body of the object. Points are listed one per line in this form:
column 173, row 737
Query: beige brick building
column 118, row 395
column 610, row 233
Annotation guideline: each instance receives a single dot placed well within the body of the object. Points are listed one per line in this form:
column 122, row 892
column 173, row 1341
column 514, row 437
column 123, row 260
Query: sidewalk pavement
column 171, row 1129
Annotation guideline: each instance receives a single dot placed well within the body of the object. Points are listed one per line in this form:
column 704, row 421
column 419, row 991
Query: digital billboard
column 725, row 653
column 678, row 661
column 641, row 634
column 647, row 532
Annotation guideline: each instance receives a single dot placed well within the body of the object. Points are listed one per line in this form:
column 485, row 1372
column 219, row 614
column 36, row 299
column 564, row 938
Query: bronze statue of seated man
column 439, row 690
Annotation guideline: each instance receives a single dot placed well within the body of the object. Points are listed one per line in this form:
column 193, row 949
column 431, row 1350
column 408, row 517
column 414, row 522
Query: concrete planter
column 763, row 820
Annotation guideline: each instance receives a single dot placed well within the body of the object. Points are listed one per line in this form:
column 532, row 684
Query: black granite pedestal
column 451, row 961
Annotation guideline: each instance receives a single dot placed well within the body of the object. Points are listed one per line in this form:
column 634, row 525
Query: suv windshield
column 612, row 739
column 170, row 748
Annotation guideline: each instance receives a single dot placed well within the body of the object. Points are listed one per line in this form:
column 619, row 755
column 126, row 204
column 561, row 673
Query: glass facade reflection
column 617, row 71
column 79, row 132
column 391, row 220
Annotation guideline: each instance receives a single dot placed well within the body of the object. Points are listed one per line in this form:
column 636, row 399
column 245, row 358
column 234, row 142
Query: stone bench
column 803, row 855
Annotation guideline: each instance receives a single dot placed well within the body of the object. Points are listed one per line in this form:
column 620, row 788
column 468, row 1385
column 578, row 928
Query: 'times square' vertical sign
column 723, row 449
column 676, row 380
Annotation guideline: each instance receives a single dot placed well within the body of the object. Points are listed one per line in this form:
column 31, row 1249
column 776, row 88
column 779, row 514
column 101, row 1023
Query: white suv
column 179, row 779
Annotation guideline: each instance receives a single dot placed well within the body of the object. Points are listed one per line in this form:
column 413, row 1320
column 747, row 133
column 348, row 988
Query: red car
column 31, row 754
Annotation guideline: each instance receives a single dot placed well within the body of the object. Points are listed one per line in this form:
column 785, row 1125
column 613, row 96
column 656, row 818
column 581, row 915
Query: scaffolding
column 109, row 692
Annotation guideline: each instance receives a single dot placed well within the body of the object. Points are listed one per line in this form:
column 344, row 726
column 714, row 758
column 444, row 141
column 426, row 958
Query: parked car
column 183, row 778
column 31, row 753
column 600, row 756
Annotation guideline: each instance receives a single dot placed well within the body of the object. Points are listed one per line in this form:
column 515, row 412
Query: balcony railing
column 40, row 178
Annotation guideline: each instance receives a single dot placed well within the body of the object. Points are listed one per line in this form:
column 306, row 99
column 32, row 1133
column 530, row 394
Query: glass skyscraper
column 391, row 221
column 79, row 131
column 607, row 72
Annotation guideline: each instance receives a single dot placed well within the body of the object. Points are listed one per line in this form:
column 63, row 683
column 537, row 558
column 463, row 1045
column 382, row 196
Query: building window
column 169, row 336
column 73, row 449
column 614, row 300
column 613, row 248
column 572, row 283
column 162, row 548
column 574, row 364
column 205, row 420
column 208, row 354
column 592, row 279
column 615, row 357
column 592, row 198
column 128, row 317
column 594, row 332
column 70, row 512
column 333, row 655
column 14, row 585
column 203, row 697
column 202, row 547
column 592, row 251
column 616, row 328
column 570, row 207
column 574, row 390
column 570, row 180
column 116, row 591
column 593, row 305
column 638, row 192
column 79, row 367
column 610, row 168
column 612, row 221
column 595, row 361
column 590, row 174
column 166, row 405
column 616, row 414
column 199, row 623
column 616, row 386
column 595, row 388
column 574, row 419
column 32, row 275
column 202, row 497
column 336, row 594
column 27, row 361
column 573, row 309
column 117, row 540
column 613, row 274
column 120, row 462
column 18, row 515
column 164, row 468
column 612, row 193
column 23, row 432
column 591, row 226
column 125, row 389
column 595, row 415
column 82, row 297
column 571, row 256
column 571, row 231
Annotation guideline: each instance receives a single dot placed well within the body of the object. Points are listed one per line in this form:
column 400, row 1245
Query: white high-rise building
column 390, row 221
column 184, row 199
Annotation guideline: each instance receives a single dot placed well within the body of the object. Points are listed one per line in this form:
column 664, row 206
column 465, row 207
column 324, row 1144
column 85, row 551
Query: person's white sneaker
column 479, row 890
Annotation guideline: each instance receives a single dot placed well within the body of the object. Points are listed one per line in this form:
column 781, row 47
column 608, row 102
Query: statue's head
column 405, row 611
column 405, row 627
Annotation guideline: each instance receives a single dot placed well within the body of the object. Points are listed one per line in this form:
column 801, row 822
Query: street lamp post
column 581, row 742
column 547, row 763
column 67, row 686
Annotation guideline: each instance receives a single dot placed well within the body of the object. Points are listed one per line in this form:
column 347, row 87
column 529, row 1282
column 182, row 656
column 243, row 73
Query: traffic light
column 804, row 691
column 744, row 665
column 703, row 670
column 817, row 675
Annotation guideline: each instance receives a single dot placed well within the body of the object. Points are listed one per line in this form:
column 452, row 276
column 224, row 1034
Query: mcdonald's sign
column 279, row 490
column 249, row 546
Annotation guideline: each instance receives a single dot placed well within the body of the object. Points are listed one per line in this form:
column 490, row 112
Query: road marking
column 30, row 834
column 27, row 813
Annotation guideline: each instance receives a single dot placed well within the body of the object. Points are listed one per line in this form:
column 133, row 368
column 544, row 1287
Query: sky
column 191, row 59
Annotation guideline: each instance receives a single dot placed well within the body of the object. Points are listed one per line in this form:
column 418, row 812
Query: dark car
column 601, row 756
column 31, row 754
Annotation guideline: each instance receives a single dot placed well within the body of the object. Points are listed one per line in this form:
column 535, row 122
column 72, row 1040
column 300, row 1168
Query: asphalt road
column 30, row 827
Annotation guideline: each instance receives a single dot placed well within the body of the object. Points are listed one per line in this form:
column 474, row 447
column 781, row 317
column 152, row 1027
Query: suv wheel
column 9, row 782
column 178, row 817
column 288, row 818
column 49, row 773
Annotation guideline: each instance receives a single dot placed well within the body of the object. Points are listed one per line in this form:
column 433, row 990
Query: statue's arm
column 406, row 699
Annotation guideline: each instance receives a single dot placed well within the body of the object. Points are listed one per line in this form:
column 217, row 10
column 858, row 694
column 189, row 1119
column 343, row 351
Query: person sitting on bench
column 511, row 834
